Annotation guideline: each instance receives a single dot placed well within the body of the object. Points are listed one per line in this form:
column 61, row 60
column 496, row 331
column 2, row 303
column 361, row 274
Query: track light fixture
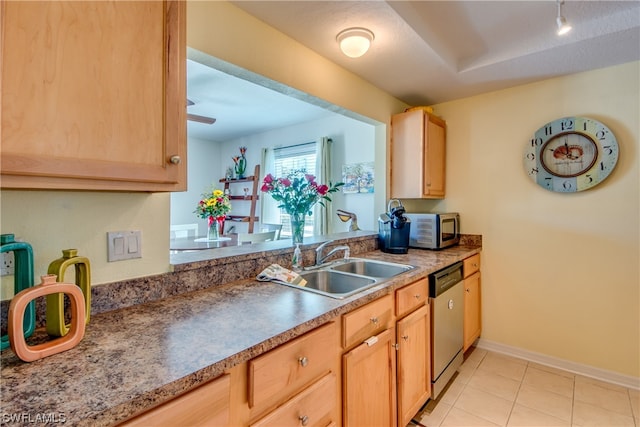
column 563, row 25
column 354, row 42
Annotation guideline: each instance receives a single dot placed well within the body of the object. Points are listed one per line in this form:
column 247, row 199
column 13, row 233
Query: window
column 286, row 160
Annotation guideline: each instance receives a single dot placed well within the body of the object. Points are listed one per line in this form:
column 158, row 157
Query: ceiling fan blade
column 201, row 119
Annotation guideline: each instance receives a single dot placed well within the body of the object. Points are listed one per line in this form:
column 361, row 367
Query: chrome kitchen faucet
column 320, row 259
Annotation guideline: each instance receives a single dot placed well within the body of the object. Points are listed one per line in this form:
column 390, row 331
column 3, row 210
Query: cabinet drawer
column 367, row 321
column 207, row 405
column 286, row 369
column 471, row 265
column 411, row 297
column 310, row 407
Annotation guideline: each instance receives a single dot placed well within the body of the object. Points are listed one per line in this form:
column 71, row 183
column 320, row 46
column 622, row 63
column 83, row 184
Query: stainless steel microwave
column 434, row 230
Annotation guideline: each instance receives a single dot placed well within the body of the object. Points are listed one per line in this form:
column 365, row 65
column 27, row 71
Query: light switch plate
column 123, row 245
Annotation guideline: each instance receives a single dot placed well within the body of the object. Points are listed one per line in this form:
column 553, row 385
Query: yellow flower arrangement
column 213, row 205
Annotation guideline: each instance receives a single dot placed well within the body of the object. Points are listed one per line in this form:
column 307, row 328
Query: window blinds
column 294, row 157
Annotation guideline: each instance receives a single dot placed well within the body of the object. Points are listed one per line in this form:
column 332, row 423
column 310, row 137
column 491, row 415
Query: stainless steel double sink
column 343, row 278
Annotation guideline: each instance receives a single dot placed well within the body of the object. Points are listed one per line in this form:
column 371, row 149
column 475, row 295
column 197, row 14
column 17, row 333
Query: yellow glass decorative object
column 55, row 302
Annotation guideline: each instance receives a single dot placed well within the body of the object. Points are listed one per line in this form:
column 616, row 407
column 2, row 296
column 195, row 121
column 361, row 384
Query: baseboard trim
column 555, row 362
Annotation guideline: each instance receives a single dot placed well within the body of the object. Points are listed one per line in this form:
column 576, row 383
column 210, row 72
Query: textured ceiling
column 428, row 52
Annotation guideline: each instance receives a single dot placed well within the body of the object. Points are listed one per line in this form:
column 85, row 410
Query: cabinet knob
column 405, row 337
column 374, row 320
column 175, row 160
column 468, row 290
column 303, row 361
column 304, row 420
column 417, row 296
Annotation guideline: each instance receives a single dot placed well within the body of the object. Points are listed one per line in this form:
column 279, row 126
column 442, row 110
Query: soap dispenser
column 296, row 262
column 22, row 279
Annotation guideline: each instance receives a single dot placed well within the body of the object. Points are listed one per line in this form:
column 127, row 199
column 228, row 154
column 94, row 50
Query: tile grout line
column 517, row 393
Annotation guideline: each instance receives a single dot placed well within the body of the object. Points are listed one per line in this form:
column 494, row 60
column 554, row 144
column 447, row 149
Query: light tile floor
column 492, row 389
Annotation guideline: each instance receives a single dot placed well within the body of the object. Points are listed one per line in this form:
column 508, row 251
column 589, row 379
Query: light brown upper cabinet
column 93, row 95
column 417, row 155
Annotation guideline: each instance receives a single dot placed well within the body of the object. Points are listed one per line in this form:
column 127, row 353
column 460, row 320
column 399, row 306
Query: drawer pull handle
column 303, row 361
column 374, row 320
column 304, row 420
column 475, row 265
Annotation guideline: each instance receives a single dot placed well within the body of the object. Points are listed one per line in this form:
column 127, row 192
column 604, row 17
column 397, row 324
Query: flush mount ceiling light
column 563, row 25
column 354, row 42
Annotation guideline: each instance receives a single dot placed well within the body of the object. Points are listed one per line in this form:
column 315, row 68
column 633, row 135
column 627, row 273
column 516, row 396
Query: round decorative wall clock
column 571, row 154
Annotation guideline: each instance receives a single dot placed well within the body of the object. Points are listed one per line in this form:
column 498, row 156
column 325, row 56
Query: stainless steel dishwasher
column 446, row 296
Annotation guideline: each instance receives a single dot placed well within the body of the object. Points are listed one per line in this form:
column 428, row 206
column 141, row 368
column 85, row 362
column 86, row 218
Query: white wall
column 203, row 171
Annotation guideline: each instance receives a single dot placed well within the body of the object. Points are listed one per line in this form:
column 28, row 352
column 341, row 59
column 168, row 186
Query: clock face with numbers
column 571, row 154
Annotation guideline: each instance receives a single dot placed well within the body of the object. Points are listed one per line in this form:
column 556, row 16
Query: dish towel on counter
column 277, row 273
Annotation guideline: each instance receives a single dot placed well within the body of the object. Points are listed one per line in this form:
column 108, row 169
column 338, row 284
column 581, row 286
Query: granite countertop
column 134, row 358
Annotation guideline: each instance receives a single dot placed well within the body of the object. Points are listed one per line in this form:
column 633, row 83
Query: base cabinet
column 208, row 405
column 297, row 383
column 414, row 364
column 472, row 301
column 370, row 367
column 312, row 407
column 369, row 374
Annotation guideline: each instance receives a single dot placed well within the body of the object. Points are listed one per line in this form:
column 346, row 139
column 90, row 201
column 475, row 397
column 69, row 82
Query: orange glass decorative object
column 18, row 306
column 55, row 303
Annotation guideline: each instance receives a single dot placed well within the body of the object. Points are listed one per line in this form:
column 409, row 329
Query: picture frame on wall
column 358, row 178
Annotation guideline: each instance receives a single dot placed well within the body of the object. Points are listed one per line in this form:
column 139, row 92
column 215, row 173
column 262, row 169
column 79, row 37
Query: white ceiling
column 424, row 52
column 239, row 106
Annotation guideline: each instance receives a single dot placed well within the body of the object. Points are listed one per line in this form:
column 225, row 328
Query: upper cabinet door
column 93, row 95
column 434, row 157
column 417, row 155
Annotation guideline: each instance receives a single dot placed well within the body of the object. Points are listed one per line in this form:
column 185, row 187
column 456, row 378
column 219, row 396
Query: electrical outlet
column 7, row 264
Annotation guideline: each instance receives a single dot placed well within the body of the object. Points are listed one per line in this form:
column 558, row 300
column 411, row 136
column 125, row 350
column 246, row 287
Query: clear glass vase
column 213, row 233
column 297, row 227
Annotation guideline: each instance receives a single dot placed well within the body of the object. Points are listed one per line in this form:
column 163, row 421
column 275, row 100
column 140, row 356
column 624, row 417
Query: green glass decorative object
column 23, row 279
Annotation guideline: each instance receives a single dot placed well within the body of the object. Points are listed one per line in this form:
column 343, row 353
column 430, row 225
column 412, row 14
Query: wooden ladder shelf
column 253, row 197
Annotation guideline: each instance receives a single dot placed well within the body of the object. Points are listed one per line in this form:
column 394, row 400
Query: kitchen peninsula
column 133, row 359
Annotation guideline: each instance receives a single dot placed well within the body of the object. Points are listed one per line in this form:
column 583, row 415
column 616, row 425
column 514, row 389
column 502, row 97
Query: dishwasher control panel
column 444, row 279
